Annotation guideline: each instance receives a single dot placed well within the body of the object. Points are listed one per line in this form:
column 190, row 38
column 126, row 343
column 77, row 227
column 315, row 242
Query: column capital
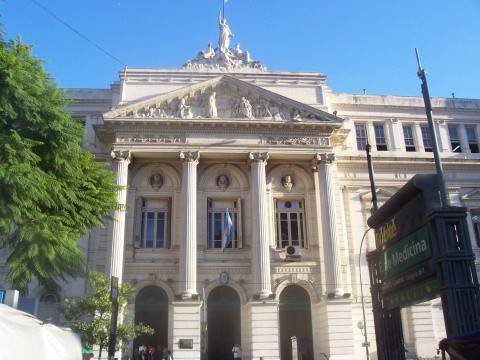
column 258, row 156
column 190, row 156
column 121, row 155
column 326, row 158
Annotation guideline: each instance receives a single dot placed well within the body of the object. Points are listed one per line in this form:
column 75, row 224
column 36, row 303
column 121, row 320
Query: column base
column 335, row 330
column 186, row 329
column 338, row 293
column 264, row 332
column 189, row 295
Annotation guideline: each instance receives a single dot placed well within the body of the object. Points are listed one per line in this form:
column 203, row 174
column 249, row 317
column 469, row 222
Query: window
column 380, row 137
column 290, row 228
column 361, row 133
column 427, row 138
column 408, row 137
column 216, row 222
column 454, row 139
column 155, row 228
column 472, row 139
column 476, row 225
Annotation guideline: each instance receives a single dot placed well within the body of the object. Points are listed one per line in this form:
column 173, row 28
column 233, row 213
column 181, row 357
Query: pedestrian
column 237, row 352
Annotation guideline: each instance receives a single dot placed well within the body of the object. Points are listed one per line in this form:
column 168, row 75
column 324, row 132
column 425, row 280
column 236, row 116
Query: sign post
column 423, row 251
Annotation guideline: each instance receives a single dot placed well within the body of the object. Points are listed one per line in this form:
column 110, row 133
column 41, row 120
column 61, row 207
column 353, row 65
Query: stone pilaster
column 329, row 222
column 188, row 246
column 115, row 264
column 261, row 245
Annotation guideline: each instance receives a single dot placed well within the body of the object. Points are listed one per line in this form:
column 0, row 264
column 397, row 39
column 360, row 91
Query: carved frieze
column 131, row 139
column 296, row 140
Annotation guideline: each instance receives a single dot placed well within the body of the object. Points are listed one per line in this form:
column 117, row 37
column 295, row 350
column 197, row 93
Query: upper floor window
column 380, row 137
column 408, row 137
column 290, row 230
column 361, row 133
column 454, row 139
column 472, row 138
column 155, row 223
column 218, row 237
column 427, row 138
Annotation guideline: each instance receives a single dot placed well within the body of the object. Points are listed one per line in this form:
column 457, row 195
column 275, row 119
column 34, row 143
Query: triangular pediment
column 223, row 97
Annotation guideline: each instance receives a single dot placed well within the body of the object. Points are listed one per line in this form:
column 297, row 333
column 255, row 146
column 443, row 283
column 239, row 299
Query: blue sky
column 357, row 44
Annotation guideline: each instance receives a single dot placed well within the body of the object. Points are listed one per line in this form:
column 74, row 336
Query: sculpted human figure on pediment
column 246, row 108
column 212, row 105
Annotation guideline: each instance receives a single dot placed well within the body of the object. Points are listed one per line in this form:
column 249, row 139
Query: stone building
column 281, row 155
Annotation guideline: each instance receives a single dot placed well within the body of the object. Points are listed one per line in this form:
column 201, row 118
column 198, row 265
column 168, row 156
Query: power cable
column 71, row 28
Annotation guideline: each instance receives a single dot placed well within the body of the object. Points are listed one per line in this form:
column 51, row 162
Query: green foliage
column 51, row 191
column 91, row 314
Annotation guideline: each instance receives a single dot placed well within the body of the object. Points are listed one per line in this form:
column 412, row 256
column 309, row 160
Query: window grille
column 380, row 137
column 290, row 223
column 361, row 133
column 408, row 138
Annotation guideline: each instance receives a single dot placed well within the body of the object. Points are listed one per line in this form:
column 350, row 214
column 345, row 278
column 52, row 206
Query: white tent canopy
column 22, row 333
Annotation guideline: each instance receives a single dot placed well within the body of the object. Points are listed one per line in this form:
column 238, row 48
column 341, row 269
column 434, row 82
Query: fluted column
column 188, row 246
column 122, row 160
column 462, row 134
column 261, row 244
column 329, row 221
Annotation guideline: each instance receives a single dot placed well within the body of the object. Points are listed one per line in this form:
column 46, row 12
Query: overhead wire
column 77, row 32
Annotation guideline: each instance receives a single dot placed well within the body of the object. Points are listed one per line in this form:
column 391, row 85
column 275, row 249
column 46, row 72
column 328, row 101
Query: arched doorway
column 295, row 320
column 151, row 308
column 223, row 328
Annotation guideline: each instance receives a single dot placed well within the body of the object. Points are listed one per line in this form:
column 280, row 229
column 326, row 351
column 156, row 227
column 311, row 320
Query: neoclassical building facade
column 282, row 155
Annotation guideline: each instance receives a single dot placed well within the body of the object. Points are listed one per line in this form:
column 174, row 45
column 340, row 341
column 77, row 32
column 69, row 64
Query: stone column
column 261, row 240
column 462, row 134
column 115, row 266
column 418, row 137
column 329, row 221
column 371, row 136
column 188, row 245
column 395, row 132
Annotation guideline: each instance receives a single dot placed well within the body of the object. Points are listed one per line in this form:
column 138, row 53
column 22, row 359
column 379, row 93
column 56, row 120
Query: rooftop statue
column 223, row 58
column 225, row 35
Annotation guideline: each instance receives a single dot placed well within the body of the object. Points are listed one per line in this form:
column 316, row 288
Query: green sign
column 412, row 295
column 406, row 253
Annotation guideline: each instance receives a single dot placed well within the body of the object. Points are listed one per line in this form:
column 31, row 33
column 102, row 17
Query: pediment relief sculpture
column 223, row 97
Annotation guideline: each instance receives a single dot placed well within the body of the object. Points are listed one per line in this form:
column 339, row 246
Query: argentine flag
column 228, row 230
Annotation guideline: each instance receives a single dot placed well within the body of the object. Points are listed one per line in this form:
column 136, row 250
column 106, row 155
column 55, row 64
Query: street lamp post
column 113, row 323
column 366, row 344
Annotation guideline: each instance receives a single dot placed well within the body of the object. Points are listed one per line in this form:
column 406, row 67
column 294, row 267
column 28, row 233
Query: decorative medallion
column 156, row 181
column 223, row 182
column 224, row 277
column 287, row 182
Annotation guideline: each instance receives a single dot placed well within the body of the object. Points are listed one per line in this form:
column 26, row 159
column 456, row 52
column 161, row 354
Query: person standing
column 237, row 352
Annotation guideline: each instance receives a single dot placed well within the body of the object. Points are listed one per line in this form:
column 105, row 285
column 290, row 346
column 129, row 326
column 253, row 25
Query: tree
column 91, row 314
column 51, row 191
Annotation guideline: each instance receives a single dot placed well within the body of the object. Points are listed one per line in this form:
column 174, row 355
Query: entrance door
column 151, row 308
column 295, row 320
column 223, row 329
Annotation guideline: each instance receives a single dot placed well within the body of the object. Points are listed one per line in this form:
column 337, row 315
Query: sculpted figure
column 225, row 35
column 223, row 182
column 210, row 53
column 212, row 105
column 287, row 182
column 156, row 181
column 184, row 110
column 246, row 108
column 151, row 111
column 297, row 117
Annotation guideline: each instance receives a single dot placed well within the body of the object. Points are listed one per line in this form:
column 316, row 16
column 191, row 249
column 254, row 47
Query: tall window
column 472, row 139
column 216, row 223
column 155, row 223
column 454, row 139
column 361, row 133
column 380, row 137
column 427, row 138
column 408, row 137
column 290, row 222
